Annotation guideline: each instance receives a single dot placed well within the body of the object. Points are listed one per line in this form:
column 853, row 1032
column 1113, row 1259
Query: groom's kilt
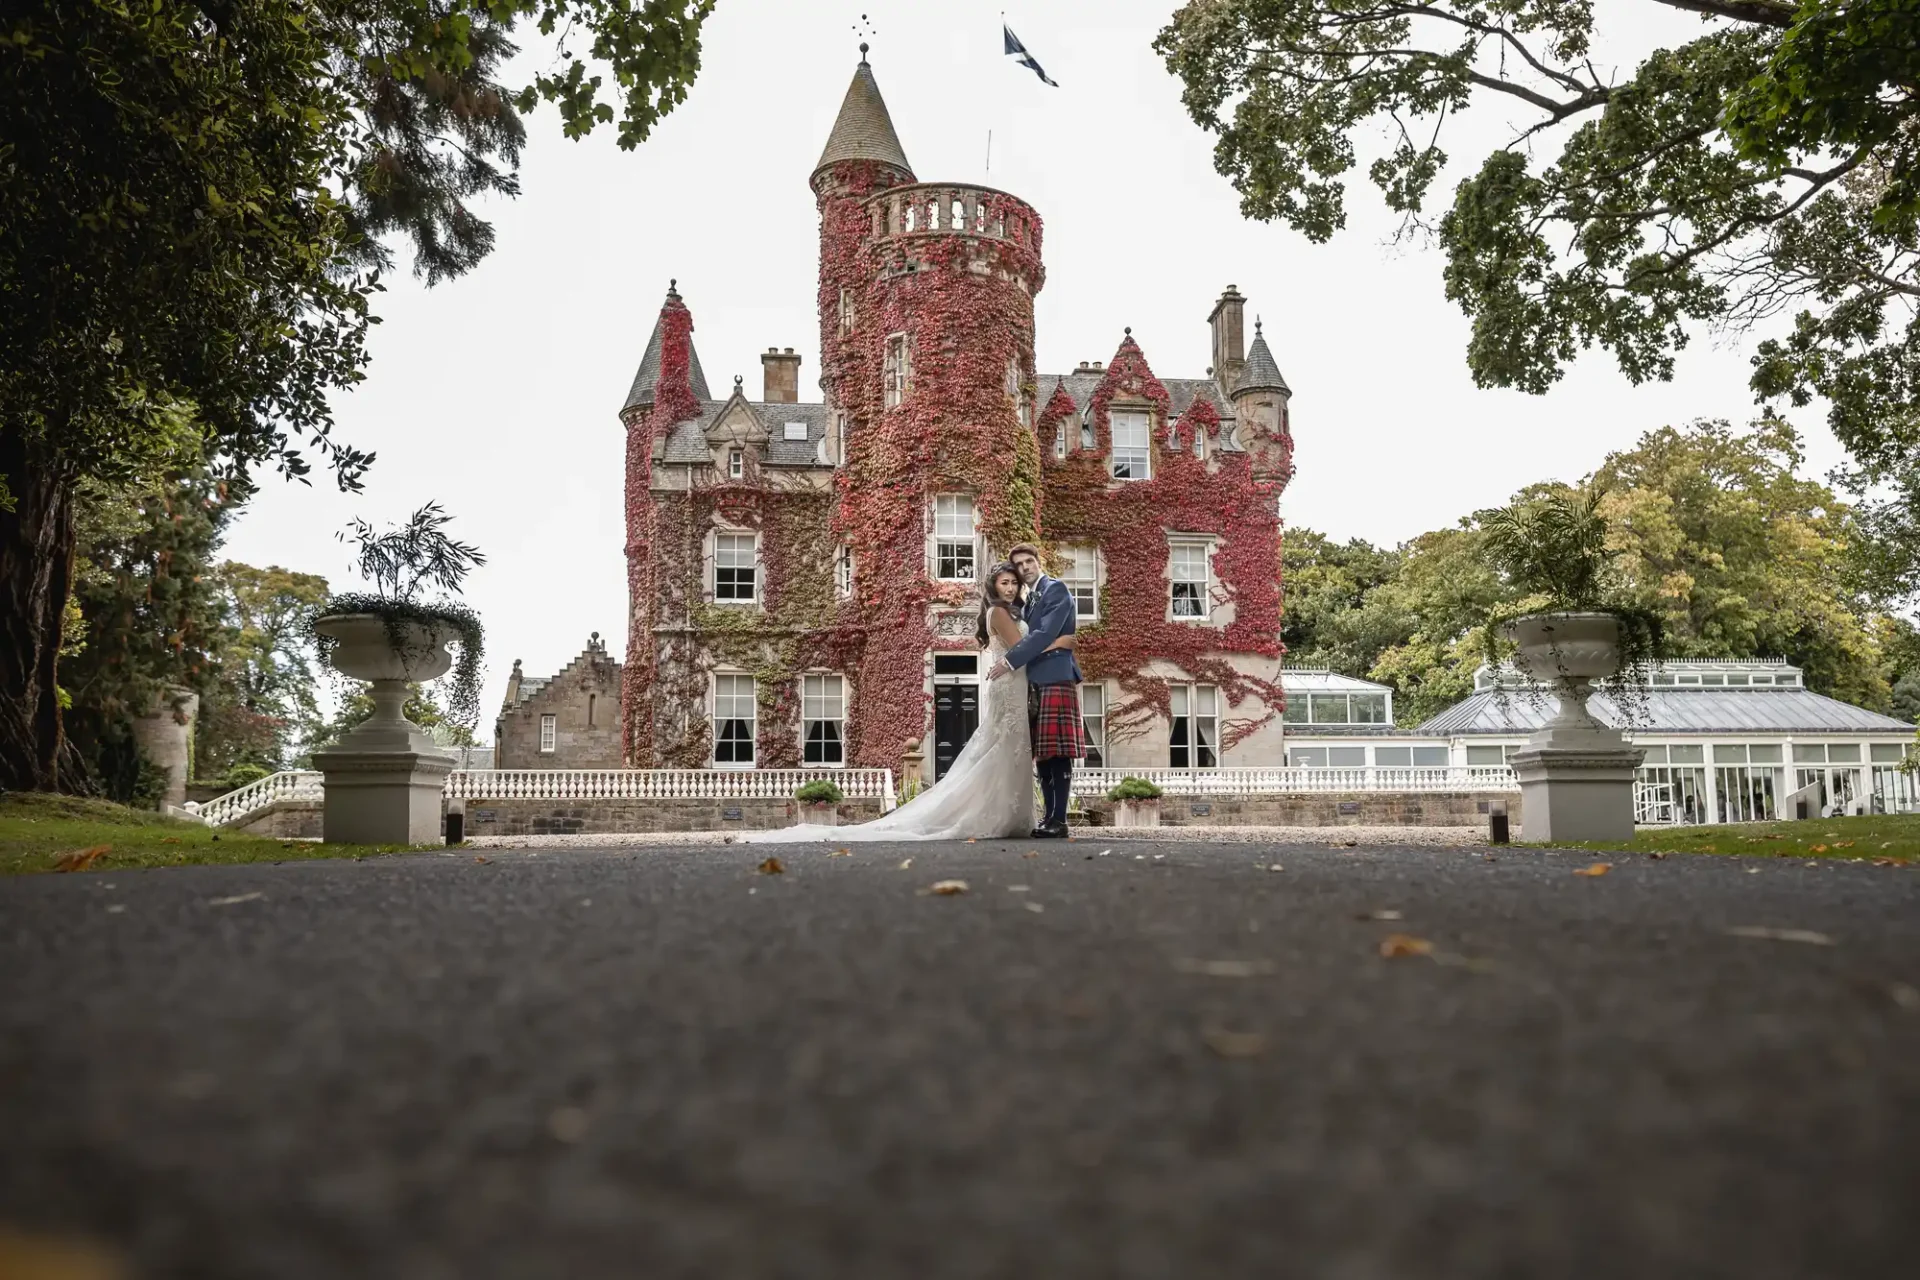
column 1053, row 718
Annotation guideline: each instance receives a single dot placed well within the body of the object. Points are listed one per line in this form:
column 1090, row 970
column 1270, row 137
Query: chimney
column 1229, row 336
column 782, row 371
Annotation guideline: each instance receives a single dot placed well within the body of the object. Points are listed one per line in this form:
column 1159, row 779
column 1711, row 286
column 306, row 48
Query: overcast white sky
column 497, row 394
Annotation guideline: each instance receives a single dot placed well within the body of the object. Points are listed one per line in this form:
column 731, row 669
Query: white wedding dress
column 987, row 794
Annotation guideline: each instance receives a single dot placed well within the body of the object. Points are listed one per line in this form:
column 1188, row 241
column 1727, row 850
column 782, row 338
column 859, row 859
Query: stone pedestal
column 1569, row 793
column 385, row 779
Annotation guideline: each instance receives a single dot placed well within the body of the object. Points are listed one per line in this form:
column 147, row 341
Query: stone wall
column 285, row 820
column 1327, row 809
column 584, row 701
column 618, row 817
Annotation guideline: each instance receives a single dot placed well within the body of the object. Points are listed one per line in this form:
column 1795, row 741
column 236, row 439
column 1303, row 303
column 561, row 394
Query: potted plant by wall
column 816, row 803
column 398, row 634
column 1574, row 626
column 1136, row 803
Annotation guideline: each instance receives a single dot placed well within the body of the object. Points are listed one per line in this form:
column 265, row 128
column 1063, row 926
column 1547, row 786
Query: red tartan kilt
column 1053, row 719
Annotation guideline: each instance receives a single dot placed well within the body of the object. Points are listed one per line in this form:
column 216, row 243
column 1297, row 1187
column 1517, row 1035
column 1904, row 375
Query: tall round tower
column 926, row 339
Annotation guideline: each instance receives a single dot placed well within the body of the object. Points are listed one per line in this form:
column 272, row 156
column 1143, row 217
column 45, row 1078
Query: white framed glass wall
column 1892, row 786
column 1677, row 777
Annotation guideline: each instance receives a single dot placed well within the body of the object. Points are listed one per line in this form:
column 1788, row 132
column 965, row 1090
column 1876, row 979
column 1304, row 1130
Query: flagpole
column 989, row 153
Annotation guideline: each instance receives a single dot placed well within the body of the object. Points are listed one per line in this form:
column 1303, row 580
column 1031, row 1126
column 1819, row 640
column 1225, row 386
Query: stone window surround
column 841, row 720
column 712, row 575
column 1143, row 452
column 1094, row 718
column 549, row 734
column 896, row 370
column 969, row 545
column 1182, row 541
column 1180, row 693
column 1077, row 556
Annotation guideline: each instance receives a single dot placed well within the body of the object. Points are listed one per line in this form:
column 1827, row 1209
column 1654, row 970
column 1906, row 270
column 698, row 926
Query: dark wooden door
column 956, row 714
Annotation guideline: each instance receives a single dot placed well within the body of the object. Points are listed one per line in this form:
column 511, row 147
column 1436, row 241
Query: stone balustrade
column 1291, row 781
column 945, row 208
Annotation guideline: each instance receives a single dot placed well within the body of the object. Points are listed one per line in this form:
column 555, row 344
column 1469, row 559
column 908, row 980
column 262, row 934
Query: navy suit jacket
column 1049, row 614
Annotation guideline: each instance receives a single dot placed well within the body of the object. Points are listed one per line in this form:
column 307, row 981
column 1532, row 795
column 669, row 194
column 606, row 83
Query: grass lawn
column 1891, row 837
column 38, row 832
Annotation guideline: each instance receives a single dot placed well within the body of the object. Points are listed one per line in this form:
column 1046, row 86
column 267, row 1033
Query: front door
column 956, row 714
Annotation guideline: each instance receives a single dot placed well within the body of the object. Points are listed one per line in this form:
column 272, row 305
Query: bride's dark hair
column 989, row 599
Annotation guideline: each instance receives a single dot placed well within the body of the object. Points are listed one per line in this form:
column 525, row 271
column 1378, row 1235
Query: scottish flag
column 1021, row 56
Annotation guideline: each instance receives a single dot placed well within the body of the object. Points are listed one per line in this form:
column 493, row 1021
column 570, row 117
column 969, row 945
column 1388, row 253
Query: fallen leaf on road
column 1224, row 968
column 947, row 888
column 80, row 859
column 116, row 908
column 841, row 853
column 1819, row 848
column 1018, row 888
column 1657, row 856
column 478, row 858
column 972, row 841
column 1597, row 869
column 1276, row 867
column 1396, row 945
column 1889, row 862
column 1379, row 915
column 772, row 867
column 1234, row 1044
column 1104, row 852
column 1807, row 936
column 905, row 863
column 235, row 899
column 1031, row 853
column 1753, row 871
column 1034, row 907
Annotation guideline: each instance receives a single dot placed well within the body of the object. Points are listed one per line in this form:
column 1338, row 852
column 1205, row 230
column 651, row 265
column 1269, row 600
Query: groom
column 1053, row 686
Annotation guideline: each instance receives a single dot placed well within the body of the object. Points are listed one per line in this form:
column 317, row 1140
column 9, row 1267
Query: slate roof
column 1260, row 373
column 687, row 442
column 1720, row 711
column 864, row 129
column 641, row 392
column 1181, row 393
column 530, row 685
column 1320, row 680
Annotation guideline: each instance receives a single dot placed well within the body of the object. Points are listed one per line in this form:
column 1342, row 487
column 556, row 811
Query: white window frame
column 726, row 685
column 549, row 734
column 949, row 539
column 843, row 571
column 1093, row 718
column 896, row 370
column 1060, row 440
column 736, row 463
column 730, row 540
column 1186, row 702
column 813, row 708
column 1179, row 562
column 847, row 312
column 1138, row 458
column 840, row 438
column 1081, row 573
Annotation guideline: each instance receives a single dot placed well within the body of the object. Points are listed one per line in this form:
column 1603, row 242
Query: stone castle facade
column 802, row 576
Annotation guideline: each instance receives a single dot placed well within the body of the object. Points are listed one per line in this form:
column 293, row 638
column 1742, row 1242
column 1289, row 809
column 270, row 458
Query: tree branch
column 1766, row 13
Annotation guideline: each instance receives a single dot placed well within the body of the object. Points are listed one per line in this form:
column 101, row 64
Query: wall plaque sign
column 1200, row 810
column 1349, row 808
column 732, row 814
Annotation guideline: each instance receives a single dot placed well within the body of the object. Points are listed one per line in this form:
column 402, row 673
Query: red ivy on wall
column 1130, row 521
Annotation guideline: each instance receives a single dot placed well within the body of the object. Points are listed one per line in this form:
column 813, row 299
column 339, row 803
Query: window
column 843, row 571
column 733, row 567
column 547, row 734
column 733, row 716
column 1329, row 708
column 1346, row 757
column 840, row 438
column 1414, row 757
column 1187, row 565
column 793, row 431
column 897, row 371
column 590, row 701
column 1081, row 573
column 1132, row 447
column 1296, row 709
column 1060, row 441
column 1199, row 443
column 1195, row 743
column 1430, row 757
column 1307, row 757
column 1086, row 430
column 953, row 542
column 1368, row 708
column 1093, row 715
column 846, row 310
column 823, row 718
column 736, row 463
column 1488, row 757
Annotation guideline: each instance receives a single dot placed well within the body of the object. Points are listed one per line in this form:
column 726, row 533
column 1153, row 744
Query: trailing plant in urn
column 1574, row 624
column 402, row 563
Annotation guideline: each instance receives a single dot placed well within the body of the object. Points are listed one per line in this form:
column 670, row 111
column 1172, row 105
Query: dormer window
column 736, row 463
column 1132, row 447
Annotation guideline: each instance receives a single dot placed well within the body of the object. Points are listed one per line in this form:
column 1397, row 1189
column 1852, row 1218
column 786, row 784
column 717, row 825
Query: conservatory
column 1729, row 740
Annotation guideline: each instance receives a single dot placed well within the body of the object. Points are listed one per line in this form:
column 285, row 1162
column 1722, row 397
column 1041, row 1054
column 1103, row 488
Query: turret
column 1260, row 398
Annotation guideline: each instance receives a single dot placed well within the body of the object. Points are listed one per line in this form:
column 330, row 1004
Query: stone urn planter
column 1136, row 813
column 1576, row 775
column 385, row 777
column 1567, row 652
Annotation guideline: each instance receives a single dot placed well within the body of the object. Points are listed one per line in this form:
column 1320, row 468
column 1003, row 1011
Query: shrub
column 241, row 774
column 1134, row 789
column 819, row 792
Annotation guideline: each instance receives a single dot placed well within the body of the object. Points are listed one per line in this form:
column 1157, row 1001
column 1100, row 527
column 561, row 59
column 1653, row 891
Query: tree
column 261, row 702
column 1326, row 584
column 151, row 611
column 1769, row 168
column 172, row 246
column 421, row 707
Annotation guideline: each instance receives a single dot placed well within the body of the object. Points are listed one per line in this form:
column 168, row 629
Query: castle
column 802, row 577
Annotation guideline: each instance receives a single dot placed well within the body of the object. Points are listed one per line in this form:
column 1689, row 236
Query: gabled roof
column 687, row 443
column 1181, row 393
column 641, row 392
column 1261, row 372
column 1721, row 711
column 864, row 130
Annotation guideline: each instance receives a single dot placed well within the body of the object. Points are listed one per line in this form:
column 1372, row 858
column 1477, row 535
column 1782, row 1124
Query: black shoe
column 1041, row 833
column 1055, row 831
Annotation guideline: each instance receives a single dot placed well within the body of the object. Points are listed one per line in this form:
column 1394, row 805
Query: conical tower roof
column 864, row 130
column 1260, row 373
column 641, row 392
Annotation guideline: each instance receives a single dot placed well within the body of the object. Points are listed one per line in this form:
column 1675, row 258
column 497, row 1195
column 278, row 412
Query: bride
column 988, row 793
